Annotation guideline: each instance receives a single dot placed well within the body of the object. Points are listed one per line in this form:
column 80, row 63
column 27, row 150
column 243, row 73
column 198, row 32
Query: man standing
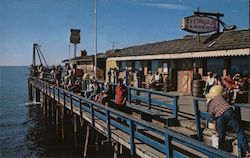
column 121, row 95
column 224, row 115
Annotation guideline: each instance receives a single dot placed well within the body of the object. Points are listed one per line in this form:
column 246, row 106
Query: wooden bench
column 153, row 107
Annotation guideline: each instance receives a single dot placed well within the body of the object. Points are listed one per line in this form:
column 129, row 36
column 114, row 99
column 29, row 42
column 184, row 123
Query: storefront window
column 241, row 65
column 154, row 66
column 215, row 66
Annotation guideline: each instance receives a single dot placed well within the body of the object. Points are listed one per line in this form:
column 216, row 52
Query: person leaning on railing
column 224, row 115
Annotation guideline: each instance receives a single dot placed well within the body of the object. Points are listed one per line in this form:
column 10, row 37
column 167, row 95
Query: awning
column 205, row 54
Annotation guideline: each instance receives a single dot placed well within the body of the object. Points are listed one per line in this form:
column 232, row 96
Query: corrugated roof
column 227, row 40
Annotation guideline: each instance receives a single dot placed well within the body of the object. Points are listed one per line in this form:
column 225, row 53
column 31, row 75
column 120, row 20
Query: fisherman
column 224, row 115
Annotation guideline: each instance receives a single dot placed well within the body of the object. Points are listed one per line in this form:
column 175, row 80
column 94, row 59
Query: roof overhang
column 204, row 54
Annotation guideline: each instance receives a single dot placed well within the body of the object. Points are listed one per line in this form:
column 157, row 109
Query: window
column 215, row 65
column 241, row 65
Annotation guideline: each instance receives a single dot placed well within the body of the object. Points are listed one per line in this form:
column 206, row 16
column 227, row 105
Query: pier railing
column 135, row 128
column 202, row 113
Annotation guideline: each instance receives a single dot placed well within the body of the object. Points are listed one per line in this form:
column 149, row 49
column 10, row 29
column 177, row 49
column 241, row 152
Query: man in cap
column 224, row 115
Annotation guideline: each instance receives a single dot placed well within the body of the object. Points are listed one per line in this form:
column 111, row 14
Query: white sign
column 199, row 24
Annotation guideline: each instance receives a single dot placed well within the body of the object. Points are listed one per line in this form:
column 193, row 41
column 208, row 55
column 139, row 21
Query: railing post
column 80, row 103
column 132, row 135
column 64, row 97
column 176, row 107
column 92, row 114
column 167, row 145
column 129, row 95
column 149, row 100
column 54, row 93
column 58, row 95
column 71, row 104
column 108, row 125
column 197, row 120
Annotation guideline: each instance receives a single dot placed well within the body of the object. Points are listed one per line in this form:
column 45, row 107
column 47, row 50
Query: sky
column 123, row 23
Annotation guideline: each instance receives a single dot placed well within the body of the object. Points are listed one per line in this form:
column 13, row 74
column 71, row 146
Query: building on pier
column 178, row 60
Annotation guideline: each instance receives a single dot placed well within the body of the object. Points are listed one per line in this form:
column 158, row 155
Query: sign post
column 75, row 38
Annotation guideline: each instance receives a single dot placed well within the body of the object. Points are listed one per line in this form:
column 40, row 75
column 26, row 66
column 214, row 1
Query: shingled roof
column 227, row 40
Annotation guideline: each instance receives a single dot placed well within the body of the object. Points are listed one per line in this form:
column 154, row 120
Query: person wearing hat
column 224, row 115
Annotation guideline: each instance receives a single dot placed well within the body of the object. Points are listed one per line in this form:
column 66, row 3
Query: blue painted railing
column 203, row 114
column 132, row 126
column 171, row 104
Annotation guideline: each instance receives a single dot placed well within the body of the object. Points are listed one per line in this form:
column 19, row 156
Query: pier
column 142, row 138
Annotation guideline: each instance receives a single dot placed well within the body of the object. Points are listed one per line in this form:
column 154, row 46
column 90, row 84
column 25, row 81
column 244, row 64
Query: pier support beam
column 30, row 91
column 62, row 122
column 86, row 142
column 75, row 129
column 37, row 95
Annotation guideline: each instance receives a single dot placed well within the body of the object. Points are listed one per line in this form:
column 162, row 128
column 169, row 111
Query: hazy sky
column 125, row 22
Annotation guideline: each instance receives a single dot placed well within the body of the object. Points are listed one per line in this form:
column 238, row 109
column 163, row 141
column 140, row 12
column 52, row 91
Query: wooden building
column 221, row 53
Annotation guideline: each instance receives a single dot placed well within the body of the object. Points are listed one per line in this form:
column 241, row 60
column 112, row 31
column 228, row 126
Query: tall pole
column 95, row 39
column 69, row 51
column 74, row 50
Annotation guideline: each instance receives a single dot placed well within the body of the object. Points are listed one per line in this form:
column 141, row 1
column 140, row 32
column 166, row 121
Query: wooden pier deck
column 142, row 138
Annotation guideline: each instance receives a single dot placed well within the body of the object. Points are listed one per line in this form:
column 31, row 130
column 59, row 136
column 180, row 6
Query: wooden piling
column 75, row 129
column 30, row 91
column 62, row 122
column 86, row 142
column 37, row 95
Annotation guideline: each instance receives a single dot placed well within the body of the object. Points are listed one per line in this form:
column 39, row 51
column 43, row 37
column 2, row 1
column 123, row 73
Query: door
column 184, row 81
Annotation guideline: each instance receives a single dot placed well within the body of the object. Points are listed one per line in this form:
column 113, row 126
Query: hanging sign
column 75, row 36
column 199, row 24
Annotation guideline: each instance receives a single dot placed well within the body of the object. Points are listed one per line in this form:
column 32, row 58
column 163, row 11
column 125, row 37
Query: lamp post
column 95, row 39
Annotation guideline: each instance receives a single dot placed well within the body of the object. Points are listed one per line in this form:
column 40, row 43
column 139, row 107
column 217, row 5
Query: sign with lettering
column 199, row 24
column 75, row 36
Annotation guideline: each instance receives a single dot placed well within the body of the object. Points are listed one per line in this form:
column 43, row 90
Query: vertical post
column 109, row 75
column 131, row 133
column 125, row 77
column 108, row 125
column 71, row 104
column 58, row 95
column 176, row 107
column 75, row 130
column 95, row 38
column 64, row 97
column 86, row 142
column 34, row 54
column 167, row 145
column 80, row 103
column 37, row 95
column 92, row 114
column 149, row 100
column 129, row 95
column 197, row 120
column 30, row 91
column 74, row 50
column 62, row 123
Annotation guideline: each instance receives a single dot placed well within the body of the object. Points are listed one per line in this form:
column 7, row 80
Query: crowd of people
column 232, row 85
column 154, row 81
column 72, row 79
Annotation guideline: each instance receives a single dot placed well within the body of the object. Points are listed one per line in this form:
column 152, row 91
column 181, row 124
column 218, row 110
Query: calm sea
column 24, row 132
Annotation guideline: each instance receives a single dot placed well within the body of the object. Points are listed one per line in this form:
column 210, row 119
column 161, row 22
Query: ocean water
column 25, row 132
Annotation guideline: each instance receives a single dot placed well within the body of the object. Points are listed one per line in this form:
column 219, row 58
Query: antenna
column 113, row 44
